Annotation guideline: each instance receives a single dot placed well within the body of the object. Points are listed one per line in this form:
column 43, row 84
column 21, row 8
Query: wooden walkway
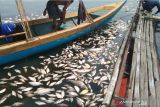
column 144, row 86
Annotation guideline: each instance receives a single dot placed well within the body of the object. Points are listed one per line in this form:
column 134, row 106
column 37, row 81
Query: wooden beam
column 12, row 35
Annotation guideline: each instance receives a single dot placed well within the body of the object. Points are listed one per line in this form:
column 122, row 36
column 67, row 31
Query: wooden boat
column 44, row 38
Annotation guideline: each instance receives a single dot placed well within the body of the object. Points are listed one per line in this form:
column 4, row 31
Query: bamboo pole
column 24, row 20
column 25, row 16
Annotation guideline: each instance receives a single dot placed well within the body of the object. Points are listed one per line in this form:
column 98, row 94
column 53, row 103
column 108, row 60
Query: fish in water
column 27, row 89
column 9, row 67
column 3, row 99
column 35, row 84
column 3, row 90
column 40, row 103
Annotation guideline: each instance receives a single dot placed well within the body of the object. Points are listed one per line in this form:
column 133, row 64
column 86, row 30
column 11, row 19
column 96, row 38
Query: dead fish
column 41, row 57
column 17, row 104
column 20, row 96
column 59, row 82
column 40, row 103
column 52, row 84
column 4, row 98
column 17, row 71
column 9, row 67
column 71, row 77
column 32, row 79
column 77, row 89
column 9, row 74
column 1, row 83
column 104, row 78
column 59, row 95
column 43, row 98
column 13, row 93
column 78, row 83
column 83, row 92
column 97, row 77
column 87, row 66
column 35, row 84
column 72, row 94
column 80, row 102
column 84, row 71
column 59, row 101
column 33, row 68
column 2, row 91
column 43, row 91
column 27, row 89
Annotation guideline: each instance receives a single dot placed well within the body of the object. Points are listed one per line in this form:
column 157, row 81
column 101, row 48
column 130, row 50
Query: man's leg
column 55, row 24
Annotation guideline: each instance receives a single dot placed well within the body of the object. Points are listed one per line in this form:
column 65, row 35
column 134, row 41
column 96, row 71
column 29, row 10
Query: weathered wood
column 152, row 95
column 158, row 93
column 137, row 78
column 12, row 35
column 143, row 71
column 145, row 99
column 132, row 76
column 153, row 53
column 132, row 82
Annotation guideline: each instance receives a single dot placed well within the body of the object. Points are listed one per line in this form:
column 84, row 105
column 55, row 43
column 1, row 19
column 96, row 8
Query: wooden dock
column 143, row 75
column 144, row 86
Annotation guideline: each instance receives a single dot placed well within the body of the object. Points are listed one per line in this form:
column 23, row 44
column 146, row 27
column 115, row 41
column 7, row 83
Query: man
column 55, row 13
column 150, row 4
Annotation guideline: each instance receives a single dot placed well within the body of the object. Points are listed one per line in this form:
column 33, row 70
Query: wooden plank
column 144, row 84
column 154, row 53
column 132, row 76
column 158, row 93
column 152, row 95
column 143, row 67
column 137, row 78
column 132, row 81
column 12, row 35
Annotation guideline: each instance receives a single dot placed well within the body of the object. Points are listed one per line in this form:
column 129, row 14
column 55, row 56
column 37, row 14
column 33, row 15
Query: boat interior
column 42, row 27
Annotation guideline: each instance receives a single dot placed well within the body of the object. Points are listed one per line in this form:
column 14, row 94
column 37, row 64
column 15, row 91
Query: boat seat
column 144, row 85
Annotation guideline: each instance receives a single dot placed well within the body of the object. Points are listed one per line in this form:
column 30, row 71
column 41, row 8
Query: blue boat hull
column 41, row 48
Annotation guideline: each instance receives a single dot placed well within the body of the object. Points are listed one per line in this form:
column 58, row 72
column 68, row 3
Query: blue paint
column 22, row 54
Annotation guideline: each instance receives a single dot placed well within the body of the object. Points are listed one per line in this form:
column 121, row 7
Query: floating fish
column 9, row 67
column 9, row 74
column 17, row 104
column 80, row 102
column 2, row 91
column 43, row 91
column 32, row 79
column 17, row 71
column 13, row 93
column 27, row 89
column 40, row 103
column 83, row 92
column 3, row 99
column 77, row 89
column 35, row 84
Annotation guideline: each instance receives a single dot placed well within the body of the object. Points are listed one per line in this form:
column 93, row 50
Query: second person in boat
column 56, row 13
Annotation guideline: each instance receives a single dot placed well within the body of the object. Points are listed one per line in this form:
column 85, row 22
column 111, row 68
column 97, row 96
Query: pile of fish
column 78, row 76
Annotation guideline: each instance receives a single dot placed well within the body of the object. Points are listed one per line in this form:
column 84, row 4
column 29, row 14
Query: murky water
column 77, row 74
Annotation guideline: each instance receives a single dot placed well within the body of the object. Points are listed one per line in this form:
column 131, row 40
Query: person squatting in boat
column 56, row 13
column 148, row 5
